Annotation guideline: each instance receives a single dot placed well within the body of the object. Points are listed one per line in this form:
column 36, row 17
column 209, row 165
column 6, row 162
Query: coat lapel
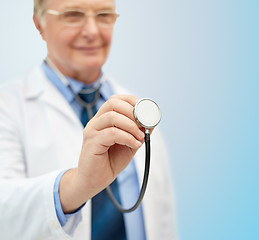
column 38, row 86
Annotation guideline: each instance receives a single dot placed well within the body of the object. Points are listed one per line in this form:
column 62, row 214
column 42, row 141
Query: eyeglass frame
column 87, row 14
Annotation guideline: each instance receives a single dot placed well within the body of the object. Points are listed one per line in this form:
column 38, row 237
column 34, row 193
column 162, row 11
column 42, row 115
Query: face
column 77, row 50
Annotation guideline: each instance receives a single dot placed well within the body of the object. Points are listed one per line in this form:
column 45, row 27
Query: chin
column 89, row 65
column 90, row 62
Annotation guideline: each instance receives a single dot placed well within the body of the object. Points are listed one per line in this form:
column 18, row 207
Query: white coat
column 40, row 135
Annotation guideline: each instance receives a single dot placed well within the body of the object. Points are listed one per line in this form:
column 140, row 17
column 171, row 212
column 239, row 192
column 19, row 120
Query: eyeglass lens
column 77, row 18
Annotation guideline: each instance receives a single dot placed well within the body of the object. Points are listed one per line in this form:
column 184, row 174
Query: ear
column 38, row 25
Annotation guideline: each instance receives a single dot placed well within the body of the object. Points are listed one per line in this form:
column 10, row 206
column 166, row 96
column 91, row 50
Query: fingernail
column 141, row 135
column 138, row 144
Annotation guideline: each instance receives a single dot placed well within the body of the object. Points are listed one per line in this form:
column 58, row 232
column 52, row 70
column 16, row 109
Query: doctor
column 55, row 160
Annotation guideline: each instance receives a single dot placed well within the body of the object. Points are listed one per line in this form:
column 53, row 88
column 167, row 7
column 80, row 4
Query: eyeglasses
column 77, row 18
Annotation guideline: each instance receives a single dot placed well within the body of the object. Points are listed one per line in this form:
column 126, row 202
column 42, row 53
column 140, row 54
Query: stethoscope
column 147, row 114
column 87, row 106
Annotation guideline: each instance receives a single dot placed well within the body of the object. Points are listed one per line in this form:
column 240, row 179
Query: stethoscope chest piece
column 147, row 113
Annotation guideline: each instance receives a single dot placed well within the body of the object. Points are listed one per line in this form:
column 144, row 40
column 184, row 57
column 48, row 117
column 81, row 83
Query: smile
column 89, row 50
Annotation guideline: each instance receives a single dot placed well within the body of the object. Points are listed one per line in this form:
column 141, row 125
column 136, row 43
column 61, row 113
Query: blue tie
column 107, row 221
column 88, row 99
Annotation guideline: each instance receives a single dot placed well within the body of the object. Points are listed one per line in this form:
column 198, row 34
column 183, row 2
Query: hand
column 110, row 141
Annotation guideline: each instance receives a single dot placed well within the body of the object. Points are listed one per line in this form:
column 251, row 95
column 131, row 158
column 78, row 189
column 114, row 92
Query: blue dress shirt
column 127, row 180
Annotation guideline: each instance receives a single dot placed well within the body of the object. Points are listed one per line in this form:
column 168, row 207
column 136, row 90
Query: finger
column 111, row 136
column 127, row 98
column 118, row 105
column 114, row 119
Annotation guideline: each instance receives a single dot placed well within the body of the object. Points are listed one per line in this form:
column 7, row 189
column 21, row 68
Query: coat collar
column 34, row 84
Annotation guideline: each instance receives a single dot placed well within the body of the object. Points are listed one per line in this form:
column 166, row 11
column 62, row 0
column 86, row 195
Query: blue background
column 199, row 60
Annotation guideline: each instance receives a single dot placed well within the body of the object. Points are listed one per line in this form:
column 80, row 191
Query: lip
column 88, row 50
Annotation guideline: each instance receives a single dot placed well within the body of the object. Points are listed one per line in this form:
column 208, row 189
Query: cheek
column 60, row 39
column 66, row 38
column 107, row 37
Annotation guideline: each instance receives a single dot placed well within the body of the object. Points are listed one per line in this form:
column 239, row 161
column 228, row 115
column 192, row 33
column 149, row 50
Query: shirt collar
column 105, row 90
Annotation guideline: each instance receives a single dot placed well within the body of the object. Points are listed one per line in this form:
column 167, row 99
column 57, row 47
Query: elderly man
column 66, row 136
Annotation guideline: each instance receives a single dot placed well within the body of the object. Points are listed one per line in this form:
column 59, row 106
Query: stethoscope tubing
column 87, row 106
column 144, row 182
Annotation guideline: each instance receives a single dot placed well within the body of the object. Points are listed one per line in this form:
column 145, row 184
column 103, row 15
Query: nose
column 90, row 28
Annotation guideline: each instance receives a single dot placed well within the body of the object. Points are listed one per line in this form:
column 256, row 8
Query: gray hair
column 39, row 7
